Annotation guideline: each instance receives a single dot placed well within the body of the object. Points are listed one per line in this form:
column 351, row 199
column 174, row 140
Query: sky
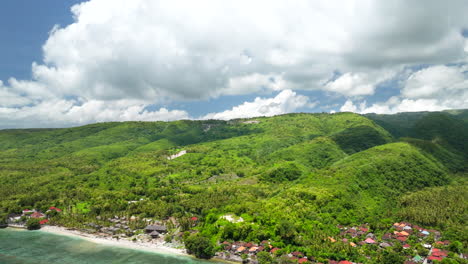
column 71, row 62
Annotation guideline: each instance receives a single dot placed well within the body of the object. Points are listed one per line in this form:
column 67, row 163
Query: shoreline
column 152, row 247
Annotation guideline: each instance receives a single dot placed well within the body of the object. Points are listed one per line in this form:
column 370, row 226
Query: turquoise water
column 28, row 247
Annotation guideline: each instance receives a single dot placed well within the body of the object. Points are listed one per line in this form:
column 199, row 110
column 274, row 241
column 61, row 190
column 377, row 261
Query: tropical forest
column 292, row 188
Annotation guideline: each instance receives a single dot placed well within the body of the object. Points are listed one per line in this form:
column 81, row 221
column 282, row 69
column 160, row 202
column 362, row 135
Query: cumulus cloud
column 59, row 113
column 9, row 98
column 356, row 84
column 286, row 101
column 395, row 105
column 430, row 89
column 147, row 49
column 402, row 32
column 438, row 81
column 153, row 51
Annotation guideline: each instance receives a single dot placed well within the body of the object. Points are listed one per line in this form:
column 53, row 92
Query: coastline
column 153, row 247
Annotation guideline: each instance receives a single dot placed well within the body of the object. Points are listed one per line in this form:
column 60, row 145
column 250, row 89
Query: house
column 241, row 249
column 404, row 233
column 273, row 251
column 43, row 222
column 154, row 234
column 303, row 260
column 14, row 218
column 384, row 245
column 352, row 244
column 431, row 258
column 27, row 211
column 369, row 241
column 345, row 262
column 37, row 215
column 253, row 250
column 417, row 258
column 158, row 228
column 406, row 246
column 53, row 208
column 402, row 238
column 439, row 254
column 387, row 236
column 297, row 254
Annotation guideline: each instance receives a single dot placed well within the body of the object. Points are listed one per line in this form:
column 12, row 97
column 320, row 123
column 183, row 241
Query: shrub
column 33, row 224
column 199, row 246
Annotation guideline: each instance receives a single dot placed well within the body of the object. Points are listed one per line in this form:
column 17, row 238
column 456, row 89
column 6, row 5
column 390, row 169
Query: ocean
column 36, row 247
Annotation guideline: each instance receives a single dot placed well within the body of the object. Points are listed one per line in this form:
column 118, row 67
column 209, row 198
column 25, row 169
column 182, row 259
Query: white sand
column 156, row 247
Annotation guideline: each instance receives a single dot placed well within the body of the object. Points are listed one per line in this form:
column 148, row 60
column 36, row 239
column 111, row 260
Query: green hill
column 292, row 178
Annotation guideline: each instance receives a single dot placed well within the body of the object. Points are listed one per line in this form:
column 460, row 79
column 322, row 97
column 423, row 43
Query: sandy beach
column 155, row 247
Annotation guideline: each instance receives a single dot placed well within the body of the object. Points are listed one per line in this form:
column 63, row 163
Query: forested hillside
column 291, row 179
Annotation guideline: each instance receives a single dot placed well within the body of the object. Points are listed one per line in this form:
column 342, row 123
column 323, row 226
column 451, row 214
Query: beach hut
column 158, row 228
column 154, row 234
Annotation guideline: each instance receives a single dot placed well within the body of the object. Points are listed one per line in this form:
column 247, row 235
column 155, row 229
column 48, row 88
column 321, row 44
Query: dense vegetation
column 291, row 178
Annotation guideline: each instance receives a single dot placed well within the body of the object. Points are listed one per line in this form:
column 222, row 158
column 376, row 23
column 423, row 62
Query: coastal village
column 418, row 244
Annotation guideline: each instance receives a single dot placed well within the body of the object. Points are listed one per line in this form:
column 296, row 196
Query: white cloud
column 59, row 113
column 434, row 88
column 356, row 84
column 256, row 83
column 8, row 98
column 150, row 51
column 437, row 81
column 397, row 105
column 286, row 101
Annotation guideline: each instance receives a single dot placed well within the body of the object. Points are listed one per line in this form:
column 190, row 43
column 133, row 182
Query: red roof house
column 55, row 209
column 37, row 215
column 302, row 260
column 434, row 258
column 274, row 250
column 402, row 238
column 43, row 222
column 363, row 229
column 297, row 254
column 439, row 254
column 369, row 240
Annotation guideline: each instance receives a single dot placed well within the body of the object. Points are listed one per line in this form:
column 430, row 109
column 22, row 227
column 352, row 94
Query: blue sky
column 68, row 63
column 25, row 27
